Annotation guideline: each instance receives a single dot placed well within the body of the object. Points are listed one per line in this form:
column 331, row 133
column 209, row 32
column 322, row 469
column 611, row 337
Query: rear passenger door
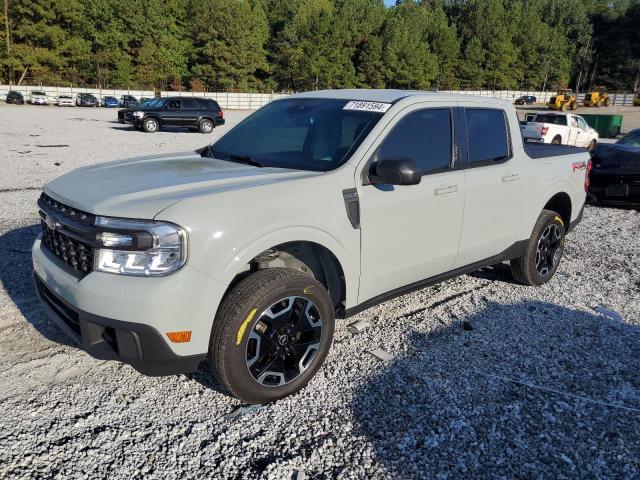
column 410, row 233
column 190, row 111
column 494, row 186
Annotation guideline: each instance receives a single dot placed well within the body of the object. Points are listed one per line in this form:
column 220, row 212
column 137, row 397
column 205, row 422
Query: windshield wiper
column 245, row 159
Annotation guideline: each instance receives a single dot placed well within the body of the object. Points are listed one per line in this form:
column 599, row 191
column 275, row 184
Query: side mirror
column 395, row 171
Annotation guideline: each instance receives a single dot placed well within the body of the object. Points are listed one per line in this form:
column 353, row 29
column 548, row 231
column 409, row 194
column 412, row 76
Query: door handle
column 510, row 178
column 445, row 190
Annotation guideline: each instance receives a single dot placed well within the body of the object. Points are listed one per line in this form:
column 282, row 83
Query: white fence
column 617, row 99
column 251, row 101
column 227, row 100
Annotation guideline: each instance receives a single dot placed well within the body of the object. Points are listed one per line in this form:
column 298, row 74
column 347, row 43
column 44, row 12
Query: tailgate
column 532, row 130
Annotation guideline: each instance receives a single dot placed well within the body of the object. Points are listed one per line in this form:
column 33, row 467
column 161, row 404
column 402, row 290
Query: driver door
column 172, row 113
column 573, row 131
column 583, row 137
column 411, row 232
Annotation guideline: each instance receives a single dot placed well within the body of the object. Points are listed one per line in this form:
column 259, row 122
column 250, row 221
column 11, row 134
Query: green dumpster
column 607, row 126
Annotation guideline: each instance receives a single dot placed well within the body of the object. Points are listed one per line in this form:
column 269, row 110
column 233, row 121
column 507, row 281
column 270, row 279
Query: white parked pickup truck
column 316, row 206
column 560, row 128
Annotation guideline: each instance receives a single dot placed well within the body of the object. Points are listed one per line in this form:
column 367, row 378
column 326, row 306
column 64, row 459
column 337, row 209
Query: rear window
column 487, row 135
column 210, row 104
column 189, row 104
column 632, row 139
column 553, row 119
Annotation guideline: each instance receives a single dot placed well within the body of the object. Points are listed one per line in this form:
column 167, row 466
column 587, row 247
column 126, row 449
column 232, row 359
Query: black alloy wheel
column 284, row 341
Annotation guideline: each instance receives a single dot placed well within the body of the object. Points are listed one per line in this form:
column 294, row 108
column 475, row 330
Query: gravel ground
column 489, row 378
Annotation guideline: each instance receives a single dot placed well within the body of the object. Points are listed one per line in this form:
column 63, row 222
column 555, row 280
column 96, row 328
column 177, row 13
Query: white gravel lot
column 489, row 380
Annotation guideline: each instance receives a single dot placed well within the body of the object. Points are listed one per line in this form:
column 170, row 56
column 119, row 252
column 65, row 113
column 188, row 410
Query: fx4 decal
column 579, row 165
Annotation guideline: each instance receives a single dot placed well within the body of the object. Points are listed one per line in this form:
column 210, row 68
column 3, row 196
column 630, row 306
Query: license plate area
column 617, row 190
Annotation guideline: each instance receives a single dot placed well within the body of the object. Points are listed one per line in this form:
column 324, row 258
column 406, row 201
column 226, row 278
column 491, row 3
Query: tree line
column 273, row 45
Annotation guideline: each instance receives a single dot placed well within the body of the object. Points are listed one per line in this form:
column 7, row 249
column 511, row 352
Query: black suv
column 125, row 114
column 128, row 101
column 202, row 114
column 86, row 100
column 15, row 97
column 525, row 100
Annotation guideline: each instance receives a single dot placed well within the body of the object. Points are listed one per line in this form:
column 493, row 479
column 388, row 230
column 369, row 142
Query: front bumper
column 116, row 317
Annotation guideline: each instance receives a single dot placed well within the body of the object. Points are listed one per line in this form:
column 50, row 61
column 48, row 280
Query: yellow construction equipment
column 597, row 98
column 564, row 100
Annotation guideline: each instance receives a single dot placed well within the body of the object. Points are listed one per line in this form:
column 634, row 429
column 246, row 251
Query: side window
column 487, row 135
column 581, row 123
column 173, row 105
column 189, row 104
column 423, row 136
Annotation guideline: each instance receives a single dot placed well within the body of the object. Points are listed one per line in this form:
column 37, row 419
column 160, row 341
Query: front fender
column 234, row 264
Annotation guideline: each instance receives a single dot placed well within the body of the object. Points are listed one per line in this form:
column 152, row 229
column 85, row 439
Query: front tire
column 271, row 334
column 150, row 125
column 542, row 255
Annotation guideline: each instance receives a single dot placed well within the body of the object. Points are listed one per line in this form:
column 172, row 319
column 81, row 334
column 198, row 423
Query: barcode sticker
column 367, row 106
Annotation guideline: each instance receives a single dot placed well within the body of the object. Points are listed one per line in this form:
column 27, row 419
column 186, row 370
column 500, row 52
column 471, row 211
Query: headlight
column 138, row 114
column 139, row 247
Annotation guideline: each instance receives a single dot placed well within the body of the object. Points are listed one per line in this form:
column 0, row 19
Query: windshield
column 632, row 140
column 304, row 134
column 154, row 103
column 36, row 92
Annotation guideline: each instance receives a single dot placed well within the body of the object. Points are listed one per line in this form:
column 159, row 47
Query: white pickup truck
column 316, row 206
column 560, row 128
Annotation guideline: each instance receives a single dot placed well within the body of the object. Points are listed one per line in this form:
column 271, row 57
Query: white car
column 38, row 97
column 65, row 101
column 316, row 206
column 560, row 128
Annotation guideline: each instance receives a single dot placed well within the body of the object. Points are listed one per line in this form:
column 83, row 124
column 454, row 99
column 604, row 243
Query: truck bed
column 545, row 150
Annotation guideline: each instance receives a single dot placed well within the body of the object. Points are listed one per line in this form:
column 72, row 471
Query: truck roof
column 392, row 96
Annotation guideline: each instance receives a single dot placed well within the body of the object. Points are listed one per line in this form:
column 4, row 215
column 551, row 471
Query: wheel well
column 561, row 204
column 308, row 257
column 559, row 137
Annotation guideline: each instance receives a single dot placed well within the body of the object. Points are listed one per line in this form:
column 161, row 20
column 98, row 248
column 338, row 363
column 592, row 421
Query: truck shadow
column 16, row 277
column 533, row 390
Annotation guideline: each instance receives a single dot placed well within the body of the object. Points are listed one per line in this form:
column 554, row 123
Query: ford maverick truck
column 315, row 207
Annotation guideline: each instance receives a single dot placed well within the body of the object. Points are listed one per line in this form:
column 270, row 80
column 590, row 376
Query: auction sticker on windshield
column 367, row 106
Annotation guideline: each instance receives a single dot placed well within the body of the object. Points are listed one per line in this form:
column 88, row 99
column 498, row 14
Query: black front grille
column 68, row 212
column 66, row 232
column 76, row 254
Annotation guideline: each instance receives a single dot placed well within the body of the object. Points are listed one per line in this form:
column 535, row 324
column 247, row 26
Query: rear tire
column 271, row 334
column 206, row 126
column 542, row 255
column 557, row 140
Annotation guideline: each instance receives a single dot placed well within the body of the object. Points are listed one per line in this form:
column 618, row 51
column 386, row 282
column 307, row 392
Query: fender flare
column 243, row 255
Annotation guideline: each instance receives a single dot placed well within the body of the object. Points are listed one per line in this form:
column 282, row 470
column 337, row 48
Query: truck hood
column 143, row 187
